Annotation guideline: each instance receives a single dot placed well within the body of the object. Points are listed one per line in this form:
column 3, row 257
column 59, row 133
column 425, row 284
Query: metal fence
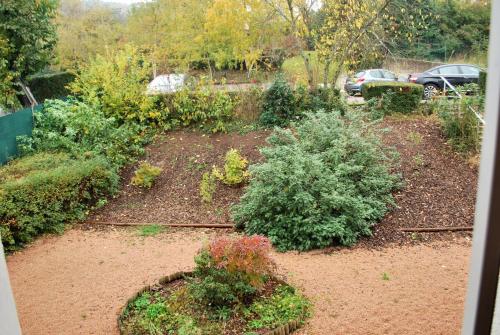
column 12, row 125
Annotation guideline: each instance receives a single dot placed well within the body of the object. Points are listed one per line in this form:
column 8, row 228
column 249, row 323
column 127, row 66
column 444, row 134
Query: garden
column 269, row 210
column 302, row 171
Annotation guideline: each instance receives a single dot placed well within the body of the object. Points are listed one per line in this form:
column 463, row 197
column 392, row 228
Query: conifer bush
column 325, row 181
column 279, row 105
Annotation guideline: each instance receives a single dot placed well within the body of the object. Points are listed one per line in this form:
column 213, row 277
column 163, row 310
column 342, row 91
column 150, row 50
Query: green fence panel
column 12, row 125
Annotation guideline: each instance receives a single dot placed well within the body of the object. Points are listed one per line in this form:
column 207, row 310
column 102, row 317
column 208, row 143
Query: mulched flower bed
column 169, row 303
column 439, row 185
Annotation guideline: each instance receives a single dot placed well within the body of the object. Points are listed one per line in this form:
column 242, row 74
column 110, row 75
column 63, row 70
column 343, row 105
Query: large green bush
column 325, row 181
column 279, row 106
column 41, row 193
column 394, row 97
column 201, row 105
column 81, row 129
column 50, row 85
column 117, row 84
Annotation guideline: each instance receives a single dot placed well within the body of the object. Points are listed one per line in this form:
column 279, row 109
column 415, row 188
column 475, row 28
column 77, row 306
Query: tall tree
column 354, row 30
column 27, row 40
column 85, row 31
column 238, row 31
column 298, row 16
column 171, row 30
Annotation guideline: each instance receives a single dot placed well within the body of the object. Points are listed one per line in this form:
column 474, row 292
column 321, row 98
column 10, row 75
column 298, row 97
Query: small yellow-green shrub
column 235, row 169
column 145, row 175
column 207, row 187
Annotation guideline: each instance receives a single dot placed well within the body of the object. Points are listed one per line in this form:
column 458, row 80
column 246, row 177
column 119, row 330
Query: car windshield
column 359, row 74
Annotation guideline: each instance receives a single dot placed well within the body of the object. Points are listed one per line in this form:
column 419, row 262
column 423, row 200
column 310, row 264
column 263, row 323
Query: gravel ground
column 77, row 282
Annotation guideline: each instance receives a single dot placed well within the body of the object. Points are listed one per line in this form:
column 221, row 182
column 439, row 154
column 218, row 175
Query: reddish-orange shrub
column 249, row 255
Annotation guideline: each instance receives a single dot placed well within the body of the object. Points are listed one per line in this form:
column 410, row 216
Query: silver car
column 353, row 84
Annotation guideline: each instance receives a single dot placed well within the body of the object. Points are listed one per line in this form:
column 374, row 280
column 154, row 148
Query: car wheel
column 351, row 93
column 430, row 90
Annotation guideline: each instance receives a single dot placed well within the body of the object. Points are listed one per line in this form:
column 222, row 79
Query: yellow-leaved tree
column 239, row 31
column 354, row 30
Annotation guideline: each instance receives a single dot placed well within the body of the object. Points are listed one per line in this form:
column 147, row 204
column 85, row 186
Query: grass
column 295, row 69
column 150, row 230
column 385, row 276
column 479, row 59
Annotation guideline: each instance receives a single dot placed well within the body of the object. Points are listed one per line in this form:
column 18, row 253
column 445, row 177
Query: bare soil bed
column 76, row 283
column 439, row 185
column 175, row 196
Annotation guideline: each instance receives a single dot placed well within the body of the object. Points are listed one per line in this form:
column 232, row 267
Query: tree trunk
column 309, row 71
column 326, row 72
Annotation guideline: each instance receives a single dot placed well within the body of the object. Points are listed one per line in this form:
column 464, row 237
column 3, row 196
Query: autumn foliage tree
column 354, row 30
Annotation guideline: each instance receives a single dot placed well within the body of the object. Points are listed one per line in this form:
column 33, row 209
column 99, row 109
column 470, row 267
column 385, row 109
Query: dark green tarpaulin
column 12, row 125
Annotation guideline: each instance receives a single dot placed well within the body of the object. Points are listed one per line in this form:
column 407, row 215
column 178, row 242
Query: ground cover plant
column 231, row 291
column 325, row 180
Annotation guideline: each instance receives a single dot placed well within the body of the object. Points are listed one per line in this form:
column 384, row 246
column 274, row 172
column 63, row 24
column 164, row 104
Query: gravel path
column 77, row 282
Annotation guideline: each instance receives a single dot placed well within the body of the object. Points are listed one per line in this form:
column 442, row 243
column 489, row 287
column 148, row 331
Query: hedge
column 401, row 97
column 482, row 81
column 41, row 193
column 50, row 85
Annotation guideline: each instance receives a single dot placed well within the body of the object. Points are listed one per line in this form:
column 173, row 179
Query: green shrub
column 81, row 129
column 145, row 175
column 319, row 99
column 50, row 85
column 201, row 105
column 207, row 187
column 482, row 81
column 327, row 180
column 230, row 272
column 279, row 106
column 41, row 193
column 459, row 123
column 117, row 83
column 235, row 169
column 395, row 97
